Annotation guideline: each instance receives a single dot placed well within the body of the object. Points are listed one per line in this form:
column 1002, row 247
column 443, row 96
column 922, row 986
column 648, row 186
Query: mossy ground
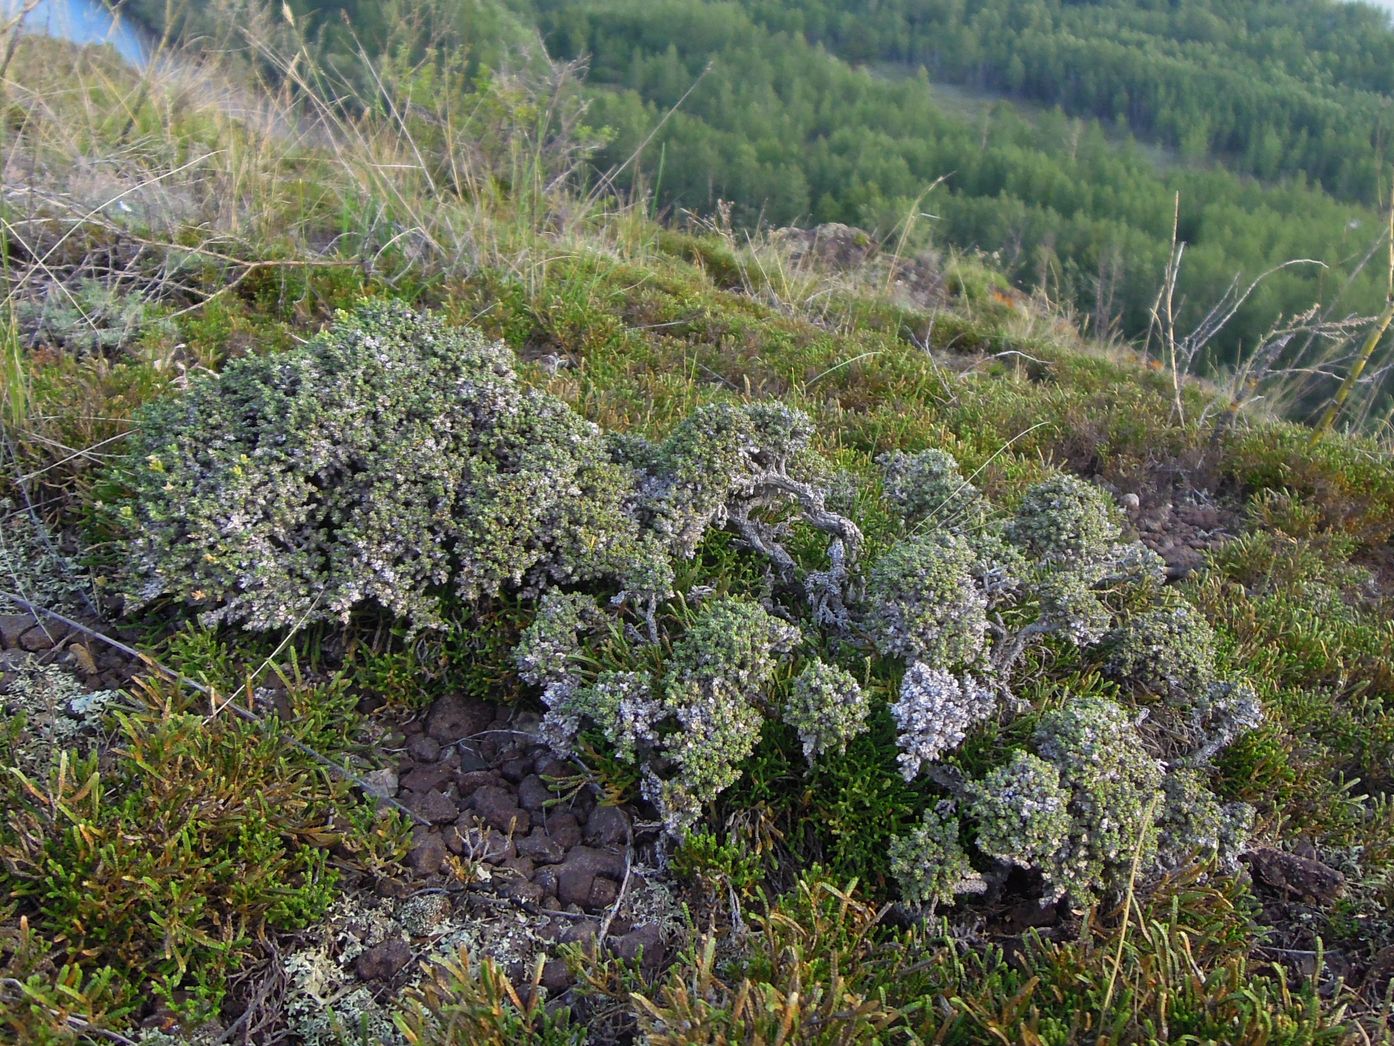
column 150, row 870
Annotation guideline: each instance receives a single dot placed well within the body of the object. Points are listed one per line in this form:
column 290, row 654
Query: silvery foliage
column 396, row 462
column 939, row 596
column 924, row 604
column 1192, row 824
column 1091, row 804
column 827, row 708
column 687, row 725
column 1222, row 714
column 930, row 864
column 1066, row 521
column 1070, row 607
column 1133, row 563
column 934, row 712
column 545, row 657
column 712, row 691
column 389, row 461
column 622, row 707
column 546, row 650
column 1168, row 649
column 618, row 704
column 741, row 466
column 1115, row 794
column 927, row 487
column 1021, row 812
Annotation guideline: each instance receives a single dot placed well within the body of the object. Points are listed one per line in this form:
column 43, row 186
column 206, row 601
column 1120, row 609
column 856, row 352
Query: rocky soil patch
column 515, row 858
column 60, row 681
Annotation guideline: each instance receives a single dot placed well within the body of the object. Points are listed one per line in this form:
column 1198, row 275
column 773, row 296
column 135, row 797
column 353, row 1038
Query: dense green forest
column 1273, row 88
column 788, row 130
column 1063, row 146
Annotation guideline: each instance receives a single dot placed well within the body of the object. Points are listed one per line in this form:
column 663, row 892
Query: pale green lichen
column 34, row 567
column 56, row 710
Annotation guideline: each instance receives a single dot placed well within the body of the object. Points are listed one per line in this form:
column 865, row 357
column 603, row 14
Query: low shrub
column 686, row 591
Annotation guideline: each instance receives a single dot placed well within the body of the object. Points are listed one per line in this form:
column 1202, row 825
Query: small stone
column 470, row 780
column 427, row 852
column 564, row 829
column 604, row 893
column 607, row 826
column 37, row 640
column 574, row 883
column 1379, row 974
column 370, row 703
column 582, row 931
column 1296, row 877
column 12, row 626
column 428, row 777
column 551, row 766
column 556, row 977
column 516, row 769
column 546, row 877
column 454, row 717
column 383, row 961
column 577, row 874
column 647, row 939
column 434, row 806
column 381, row 784
column 470, row 757
column 389, row 887
column 520, row 866
column 424, row 749
column 498, row 806
column 541, row 847
column 522, row 890
column 533, row 794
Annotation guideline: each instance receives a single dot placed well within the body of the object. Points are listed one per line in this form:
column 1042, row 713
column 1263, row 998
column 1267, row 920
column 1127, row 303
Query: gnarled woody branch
column 829, row 590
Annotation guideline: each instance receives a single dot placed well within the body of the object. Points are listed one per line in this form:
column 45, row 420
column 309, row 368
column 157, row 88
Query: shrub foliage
column 398, row 464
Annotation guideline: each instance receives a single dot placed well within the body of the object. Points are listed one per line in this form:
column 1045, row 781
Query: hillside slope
column 768, row 638
column 1274, row 124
